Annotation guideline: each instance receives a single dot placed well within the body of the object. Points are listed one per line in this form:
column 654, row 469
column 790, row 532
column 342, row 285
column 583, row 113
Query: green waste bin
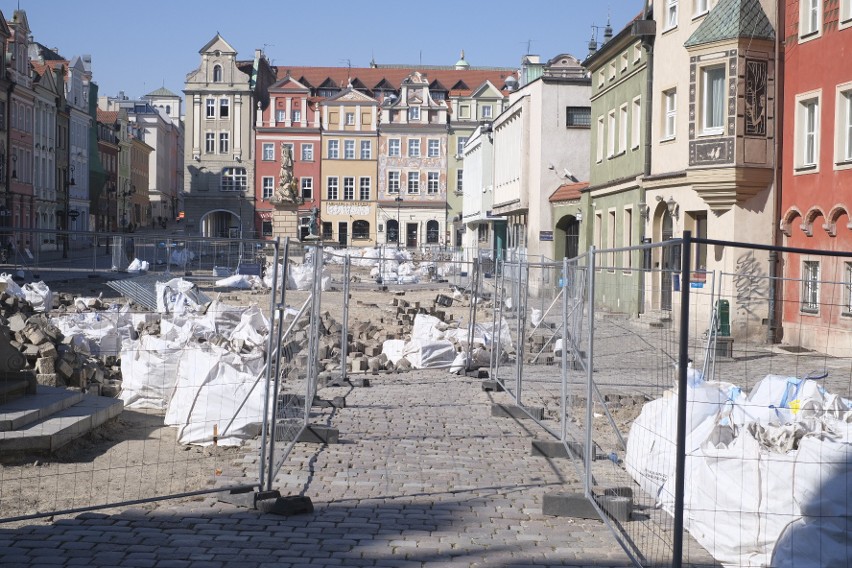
column 723, row 308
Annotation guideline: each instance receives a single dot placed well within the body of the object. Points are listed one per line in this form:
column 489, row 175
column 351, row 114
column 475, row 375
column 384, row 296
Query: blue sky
column 140, row 46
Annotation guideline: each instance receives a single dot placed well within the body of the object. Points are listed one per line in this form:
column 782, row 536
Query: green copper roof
column 161, row 92
column 733, row 19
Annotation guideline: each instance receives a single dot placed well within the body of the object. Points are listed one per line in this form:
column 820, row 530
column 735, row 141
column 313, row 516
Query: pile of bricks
column 50, row 355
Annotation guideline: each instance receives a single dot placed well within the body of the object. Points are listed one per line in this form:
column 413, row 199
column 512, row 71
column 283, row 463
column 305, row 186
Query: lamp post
column 129, row 189
column 68, row 184
column 398, row 200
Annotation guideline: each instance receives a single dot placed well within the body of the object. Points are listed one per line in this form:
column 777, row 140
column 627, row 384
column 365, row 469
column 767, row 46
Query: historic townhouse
column 610, row 215
column 108, row 153
column 48, row 85
column 291, row 123
column 817, row 174
column 481, row 231
column 413, row 165
column 21, row 104
column 469, row 94
column 713, row 146
column 350, row 143
column 222, row 95
column 535, row 151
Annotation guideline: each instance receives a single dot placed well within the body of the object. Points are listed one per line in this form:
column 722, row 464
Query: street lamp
column 129, row 189
column 398, row 200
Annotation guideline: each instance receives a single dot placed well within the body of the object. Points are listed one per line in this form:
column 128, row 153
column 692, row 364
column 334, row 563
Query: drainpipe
column 774, row 284
column 648, row 46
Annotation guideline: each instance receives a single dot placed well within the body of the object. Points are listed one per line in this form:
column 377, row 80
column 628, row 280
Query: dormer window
column 414, row 113
column 217, row 73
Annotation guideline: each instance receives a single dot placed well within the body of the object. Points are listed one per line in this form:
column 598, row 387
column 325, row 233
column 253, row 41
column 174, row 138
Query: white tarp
column 8, row 284
column 424, row 354
column 39, row 295
column 239, row 281
column 177, row 296
column 97, row 333
column 301, row 277
column 760, row 469
column 217, row 396
column 149, row 370
column 138, row 266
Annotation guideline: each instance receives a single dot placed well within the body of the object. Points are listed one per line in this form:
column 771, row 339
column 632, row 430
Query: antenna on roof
column 348, row 71
column 529, row 46
column 265, row 45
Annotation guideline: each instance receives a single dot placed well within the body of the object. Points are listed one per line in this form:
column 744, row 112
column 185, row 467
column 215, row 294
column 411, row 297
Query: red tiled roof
column 568, row 191
column 372, row 76
column 107, row 116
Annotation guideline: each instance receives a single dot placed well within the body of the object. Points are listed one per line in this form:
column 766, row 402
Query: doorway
column 343, row 233
column 667, row 264
column 411, row 235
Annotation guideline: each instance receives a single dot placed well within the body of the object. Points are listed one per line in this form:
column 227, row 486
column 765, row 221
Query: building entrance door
column 411, row 235
column 343, row 233
column 667, row 265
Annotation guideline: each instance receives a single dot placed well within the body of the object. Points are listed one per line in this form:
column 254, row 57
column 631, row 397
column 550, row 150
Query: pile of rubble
column 56, row 360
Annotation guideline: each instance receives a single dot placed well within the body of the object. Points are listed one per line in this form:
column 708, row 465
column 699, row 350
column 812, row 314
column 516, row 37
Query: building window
column 807, row 132
column 578, row 117
column 364, row 188
column 413, row 182
column 637, row 53
column 266, row 228
column 713, row 99
column 333, row 149
column 327, row 231
column 459, row 181
column 210, row 142
column 610, row 137
column 366, row 150
column 671, row 14
column 268, row 152
column 350, row 119
column 460, row 144
column 669, row 114
column 845, row 13
column 224, row 142
column 331, row 184
column 601, row 78
column 393, row 182
column 234, row 179
column 809, row 18
column 600, row 140
column 217, row 73
column 843, row 139
column 699, row 8
column 612, row 71
column 432, row 232
column 360, row 229
column 348, row 149
column 625, row 59
column 482, row 233
column 211, row 108
column 268, row 186
column 414, row 147
column 627, row 238
column 224, row 108
column 432, row 182
column 810, row 286
column 486, row 111
column 622, row 125
column 637, row 122
column 297, row 116
column 433, row 148
column 847, row 288
column 281, row 116
column 307, row 152
column 414, row 113
column 349, row 188
column 393, row 147
column 307, row 188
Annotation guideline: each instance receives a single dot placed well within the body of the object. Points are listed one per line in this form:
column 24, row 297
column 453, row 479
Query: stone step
column 52, row 432
column 12, row 388
column 26, row 410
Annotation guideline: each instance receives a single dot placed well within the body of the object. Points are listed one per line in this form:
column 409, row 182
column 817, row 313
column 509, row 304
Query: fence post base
column 269, row 502
column 315, row 434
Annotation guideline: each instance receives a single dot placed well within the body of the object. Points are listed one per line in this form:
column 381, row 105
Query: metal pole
column 270, row 348
column 564, row 358
column 590, row 364
column 683, row 358
column 94, row 273
column 523, row 297
column 344, row 336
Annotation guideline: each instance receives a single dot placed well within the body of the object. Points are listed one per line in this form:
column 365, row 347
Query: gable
column 487, row 90
column 218, row 43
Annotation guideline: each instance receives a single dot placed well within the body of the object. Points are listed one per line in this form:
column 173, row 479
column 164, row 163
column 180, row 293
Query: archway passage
column 222, row 224
column 569, row 226
column 667, row 263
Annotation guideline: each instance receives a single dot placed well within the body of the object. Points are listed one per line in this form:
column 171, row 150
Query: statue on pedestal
column 287, row 191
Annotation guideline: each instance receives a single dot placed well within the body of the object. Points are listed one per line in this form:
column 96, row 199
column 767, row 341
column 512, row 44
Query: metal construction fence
column 187, row 379
column 715, row 404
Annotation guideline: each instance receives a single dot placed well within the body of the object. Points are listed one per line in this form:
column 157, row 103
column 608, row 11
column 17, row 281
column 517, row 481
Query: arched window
column 393, row 231
column 360, row 230
column 168, row 109
column 217, row 73
column 432, row 232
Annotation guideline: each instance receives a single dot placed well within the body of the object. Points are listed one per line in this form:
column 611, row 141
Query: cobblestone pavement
column 423, row 476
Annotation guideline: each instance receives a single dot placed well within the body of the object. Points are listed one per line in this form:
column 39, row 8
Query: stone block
column 49, row 380
column 556, row 449
column 492, row 386
column 64, row 368
column 48, row 350
column 45, row 366
column 17, row 322
column 317, row 434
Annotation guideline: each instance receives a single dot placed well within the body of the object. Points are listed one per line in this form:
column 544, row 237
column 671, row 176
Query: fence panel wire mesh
column 185, row 384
